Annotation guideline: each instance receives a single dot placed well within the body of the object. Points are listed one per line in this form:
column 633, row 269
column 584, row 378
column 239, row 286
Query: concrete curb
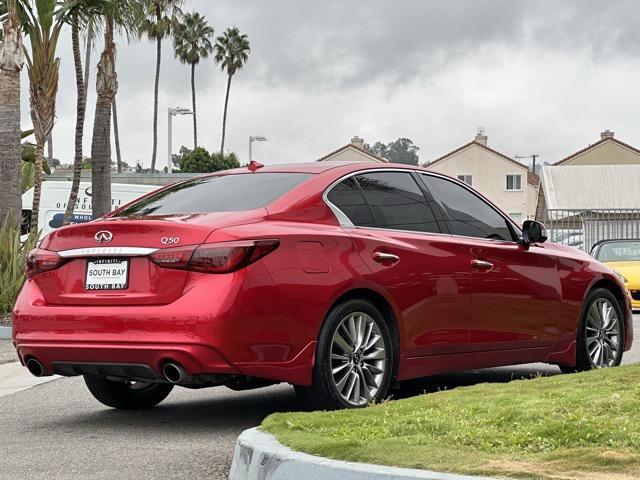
column 259, row 456
column 5, row 333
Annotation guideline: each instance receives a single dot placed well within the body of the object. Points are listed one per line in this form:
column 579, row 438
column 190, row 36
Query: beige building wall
column 489, row 172
column 352, row 152
column 532, row 201
column 350, row 155
column 607, row 153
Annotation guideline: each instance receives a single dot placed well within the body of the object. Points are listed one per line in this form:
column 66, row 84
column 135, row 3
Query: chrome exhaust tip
column 35, row 367
column 174, row 373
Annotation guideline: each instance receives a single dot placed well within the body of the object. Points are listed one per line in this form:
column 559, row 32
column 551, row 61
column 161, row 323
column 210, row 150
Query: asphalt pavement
column 57, row 430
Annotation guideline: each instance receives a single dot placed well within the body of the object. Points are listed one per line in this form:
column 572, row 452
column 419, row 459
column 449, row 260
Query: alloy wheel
column 358, row 358
column 602, row 333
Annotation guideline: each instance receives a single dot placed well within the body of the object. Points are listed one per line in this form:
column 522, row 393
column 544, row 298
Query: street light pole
column 257, row 138
column 172, row 112
column 170, row 140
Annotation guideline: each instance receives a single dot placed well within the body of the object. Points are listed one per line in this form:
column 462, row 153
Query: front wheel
column 127, row 395
column 354, row 359
column 601, row 334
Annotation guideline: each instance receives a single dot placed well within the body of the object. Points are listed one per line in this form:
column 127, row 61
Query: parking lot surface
column 57, row 430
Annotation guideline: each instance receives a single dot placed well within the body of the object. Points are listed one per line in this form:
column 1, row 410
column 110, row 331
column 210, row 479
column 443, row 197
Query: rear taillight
column 214, row 257
column 39, row 261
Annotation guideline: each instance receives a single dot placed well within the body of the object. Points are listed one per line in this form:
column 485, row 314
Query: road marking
column 15, row 378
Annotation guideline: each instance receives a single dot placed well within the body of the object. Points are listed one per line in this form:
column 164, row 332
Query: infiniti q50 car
column 340, row 279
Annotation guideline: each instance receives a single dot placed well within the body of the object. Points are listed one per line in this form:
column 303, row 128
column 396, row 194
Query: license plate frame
column 110, row 282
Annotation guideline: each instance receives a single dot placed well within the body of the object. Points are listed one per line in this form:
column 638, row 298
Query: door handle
column 385, row 258
column 481, row 264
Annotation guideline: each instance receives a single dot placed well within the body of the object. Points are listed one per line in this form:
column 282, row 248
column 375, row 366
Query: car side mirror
column 533, row 232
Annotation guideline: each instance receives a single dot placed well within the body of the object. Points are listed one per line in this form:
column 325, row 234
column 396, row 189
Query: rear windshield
column 224, row 193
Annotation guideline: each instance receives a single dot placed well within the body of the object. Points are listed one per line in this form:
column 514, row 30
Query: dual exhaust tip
column 172, row 372
column 35, row 368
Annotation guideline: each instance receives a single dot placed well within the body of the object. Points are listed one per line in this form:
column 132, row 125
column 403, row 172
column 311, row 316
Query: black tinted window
column 225, row 193
column 467, row 214
column 397, row 201
column 348, row 198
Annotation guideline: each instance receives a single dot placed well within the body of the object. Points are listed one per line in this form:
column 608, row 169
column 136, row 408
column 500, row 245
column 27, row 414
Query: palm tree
column 124, row 14
column 232, row 52
column 43, row 28
column 81, row 14
column 161, row 18
column 11, row 61
column 192, row 43
column 116, row 135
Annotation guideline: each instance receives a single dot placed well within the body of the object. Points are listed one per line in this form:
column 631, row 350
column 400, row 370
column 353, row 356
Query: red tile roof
column 533, row 179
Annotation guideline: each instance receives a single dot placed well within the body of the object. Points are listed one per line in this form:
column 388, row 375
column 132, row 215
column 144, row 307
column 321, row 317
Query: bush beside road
column 578, row 426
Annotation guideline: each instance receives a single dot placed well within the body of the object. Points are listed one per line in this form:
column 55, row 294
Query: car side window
column 348, row 198
column 397, row 202
column 467, row 214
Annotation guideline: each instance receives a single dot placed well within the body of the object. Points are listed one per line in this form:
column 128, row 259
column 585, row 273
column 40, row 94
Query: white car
column 55, row 195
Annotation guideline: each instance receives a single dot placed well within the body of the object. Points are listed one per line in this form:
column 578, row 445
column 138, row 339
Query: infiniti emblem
column 103, row 236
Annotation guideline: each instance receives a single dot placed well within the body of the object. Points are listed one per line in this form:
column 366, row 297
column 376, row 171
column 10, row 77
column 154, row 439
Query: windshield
column 619, row 251
column 222, row 193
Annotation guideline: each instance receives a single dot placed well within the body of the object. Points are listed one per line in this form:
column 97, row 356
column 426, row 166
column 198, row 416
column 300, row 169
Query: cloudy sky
column 541, row 77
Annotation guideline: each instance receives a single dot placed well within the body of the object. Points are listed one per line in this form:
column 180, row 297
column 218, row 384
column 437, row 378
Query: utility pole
column 532, row 156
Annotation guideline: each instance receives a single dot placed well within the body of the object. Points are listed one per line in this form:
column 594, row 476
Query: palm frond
column 232, row 50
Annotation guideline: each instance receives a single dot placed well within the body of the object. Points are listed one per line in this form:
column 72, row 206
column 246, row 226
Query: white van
column 55, row 195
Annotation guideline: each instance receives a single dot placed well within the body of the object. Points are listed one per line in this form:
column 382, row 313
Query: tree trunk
column 81, row 104
column 87, row 67
column 224, row 117
column 193, row 105
column 43, row 88
column 10, row 158
column 106, row 87
column 50, row 149
column 37, row 184
column 116, row 135
column 155, row 104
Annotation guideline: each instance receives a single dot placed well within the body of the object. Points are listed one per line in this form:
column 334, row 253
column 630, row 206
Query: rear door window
column 348, row 197
column 397, row 202
column 222, row 193
column 467, row 214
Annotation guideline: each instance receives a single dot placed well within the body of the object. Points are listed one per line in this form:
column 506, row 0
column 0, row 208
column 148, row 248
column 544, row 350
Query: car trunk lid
column 107, row 262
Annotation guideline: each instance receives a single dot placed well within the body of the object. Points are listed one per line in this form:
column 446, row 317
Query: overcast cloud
column 542, row 77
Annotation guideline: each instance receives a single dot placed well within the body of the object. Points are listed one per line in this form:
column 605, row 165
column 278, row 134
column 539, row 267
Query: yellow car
column 623, row 257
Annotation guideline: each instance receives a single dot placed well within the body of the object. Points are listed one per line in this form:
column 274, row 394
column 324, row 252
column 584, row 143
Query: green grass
column 580, row 426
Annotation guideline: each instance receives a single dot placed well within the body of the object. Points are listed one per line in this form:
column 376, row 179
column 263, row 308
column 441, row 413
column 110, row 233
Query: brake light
column 40, row 260
column 224, row 257
column 177, row 258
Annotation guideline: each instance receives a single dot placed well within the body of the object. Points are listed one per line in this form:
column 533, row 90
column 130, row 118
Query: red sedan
column 340, row 279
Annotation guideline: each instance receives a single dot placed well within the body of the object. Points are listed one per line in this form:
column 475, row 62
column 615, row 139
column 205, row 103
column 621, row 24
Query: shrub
column 199, row 160
column 13, row 257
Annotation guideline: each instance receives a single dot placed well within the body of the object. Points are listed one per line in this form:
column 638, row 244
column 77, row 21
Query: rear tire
column 601, row 333
column 354, row 359
column 126, row 395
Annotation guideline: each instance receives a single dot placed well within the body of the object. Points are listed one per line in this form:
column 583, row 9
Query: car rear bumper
column 195, row 359
column 206, row 334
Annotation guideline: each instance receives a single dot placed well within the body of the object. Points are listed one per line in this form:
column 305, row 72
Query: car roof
column 321, row 167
